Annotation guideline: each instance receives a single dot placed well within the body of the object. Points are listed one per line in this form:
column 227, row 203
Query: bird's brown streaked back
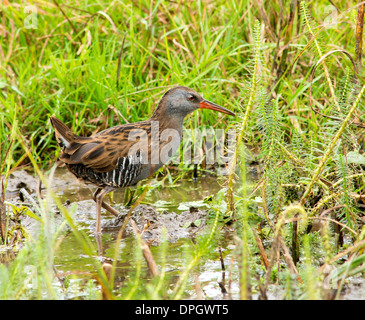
column 99, row 152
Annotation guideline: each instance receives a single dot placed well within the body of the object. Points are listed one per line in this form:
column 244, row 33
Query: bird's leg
column 104, row 204
column 97, row 191
column 98, row 197
column 100, row 244
column 99, row 201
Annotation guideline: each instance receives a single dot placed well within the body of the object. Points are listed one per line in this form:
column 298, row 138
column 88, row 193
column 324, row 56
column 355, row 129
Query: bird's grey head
column 180, row 101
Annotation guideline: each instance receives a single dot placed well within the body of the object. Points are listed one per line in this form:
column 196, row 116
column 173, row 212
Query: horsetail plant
column 331, row 146
column 307, row 22
column 253, row 86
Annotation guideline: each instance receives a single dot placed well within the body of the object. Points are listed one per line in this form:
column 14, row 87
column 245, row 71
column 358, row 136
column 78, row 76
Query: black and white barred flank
column 128, row 168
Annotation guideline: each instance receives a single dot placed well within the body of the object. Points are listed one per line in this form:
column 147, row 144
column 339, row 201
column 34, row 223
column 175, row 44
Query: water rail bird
column 125, row 154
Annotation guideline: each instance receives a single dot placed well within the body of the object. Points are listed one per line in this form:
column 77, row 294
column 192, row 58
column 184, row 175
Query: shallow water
column 172, row 197
column 70, row 257
column 168, row 197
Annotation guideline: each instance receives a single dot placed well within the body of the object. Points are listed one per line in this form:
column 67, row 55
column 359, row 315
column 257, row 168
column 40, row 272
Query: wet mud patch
column 185, row 221
column 186, row 224
column 150, row 222
column 21, row 179
column 31, row 183
column 179, row 208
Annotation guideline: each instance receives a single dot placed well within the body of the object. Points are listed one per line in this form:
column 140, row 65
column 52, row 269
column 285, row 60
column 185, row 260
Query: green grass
column 298, row 104
column 53, row 70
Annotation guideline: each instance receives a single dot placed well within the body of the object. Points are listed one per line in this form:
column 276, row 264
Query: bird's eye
column 191, row 97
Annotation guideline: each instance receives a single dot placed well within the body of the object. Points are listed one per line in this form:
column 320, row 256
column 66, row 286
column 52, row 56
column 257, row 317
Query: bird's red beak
column 205, row 104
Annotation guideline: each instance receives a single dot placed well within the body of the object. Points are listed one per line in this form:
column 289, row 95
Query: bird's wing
column 102, row 151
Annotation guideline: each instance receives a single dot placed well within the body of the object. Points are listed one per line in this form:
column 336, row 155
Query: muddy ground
column 23, row 187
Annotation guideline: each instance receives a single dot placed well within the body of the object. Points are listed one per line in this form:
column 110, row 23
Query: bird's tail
column 64, row 135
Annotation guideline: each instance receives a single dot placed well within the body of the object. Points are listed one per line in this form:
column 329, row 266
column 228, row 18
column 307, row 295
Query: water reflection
column 170, row 197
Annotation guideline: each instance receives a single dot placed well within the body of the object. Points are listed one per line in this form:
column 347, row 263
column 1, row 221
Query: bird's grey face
column 182, row 101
